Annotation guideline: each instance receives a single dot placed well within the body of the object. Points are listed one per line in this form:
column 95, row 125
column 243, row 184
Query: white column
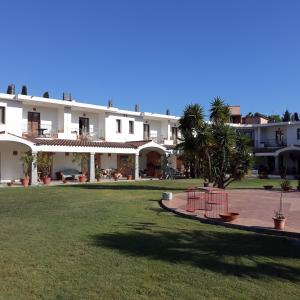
column 137, row 167
column 92, row 167
column 169, row 131
column 258, row 137
column 34, row 174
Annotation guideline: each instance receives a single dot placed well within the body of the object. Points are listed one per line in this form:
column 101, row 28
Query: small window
column 2, row 115
column 298, row 133
column 131, row 127
column 118, row 124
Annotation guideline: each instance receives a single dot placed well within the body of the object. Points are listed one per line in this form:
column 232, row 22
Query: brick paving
column 255, row 206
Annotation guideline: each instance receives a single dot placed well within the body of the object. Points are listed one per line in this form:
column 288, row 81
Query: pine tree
column 286, row 116
column 24, row 90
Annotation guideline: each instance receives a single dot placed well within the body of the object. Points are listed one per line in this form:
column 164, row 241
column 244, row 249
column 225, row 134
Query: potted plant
column 26, row 160
column 279, row 218
column 98, row 173
column 130, row 166
column 44, row 163
column 285, row 185
column 82, row 159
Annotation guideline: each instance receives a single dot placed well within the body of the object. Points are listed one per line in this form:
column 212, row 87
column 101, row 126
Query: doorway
column 34, row 122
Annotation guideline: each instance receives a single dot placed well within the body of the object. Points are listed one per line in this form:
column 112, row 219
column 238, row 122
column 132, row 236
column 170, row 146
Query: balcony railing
column 92, row 135
column 271, row 143
column 44, row 131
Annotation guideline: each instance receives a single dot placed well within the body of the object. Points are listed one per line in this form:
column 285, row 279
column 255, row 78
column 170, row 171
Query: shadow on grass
column 123, row 186
column 239, row 254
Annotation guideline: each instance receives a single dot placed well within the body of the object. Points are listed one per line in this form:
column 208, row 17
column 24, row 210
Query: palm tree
column 219, row 112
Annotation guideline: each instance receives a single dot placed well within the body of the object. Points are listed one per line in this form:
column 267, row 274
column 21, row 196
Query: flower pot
column 82, row 178
column 229, row 217
column 46, row 180
column 279, row 223
column 129, row 177
column 98, row 178
column 25, row 181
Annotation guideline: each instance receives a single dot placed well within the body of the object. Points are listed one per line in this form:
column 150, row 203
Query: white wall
column 11, row 165
column 93, row 120
column 61, row 161
column 292, row 135
column 13, row 117
column 48, row 115
column 111, row 128
column 108, row 162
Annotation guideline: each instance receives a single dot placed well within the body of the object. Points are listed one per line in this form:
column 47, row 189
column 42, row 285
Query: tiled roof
column 136, row 144
column 78, row 143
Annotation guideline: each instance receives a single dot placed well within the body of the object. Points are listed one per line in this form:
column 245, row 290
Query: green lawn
column 112, row 241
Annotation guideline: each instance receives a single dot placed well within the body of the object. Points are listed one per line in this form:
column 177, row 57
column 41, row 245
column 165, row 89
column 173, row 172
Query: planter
column 268, row 187
column 98, row 179
column 279, row 223
column 46, row 180
column 25, row 182
column 229, row 217
column 82, row 178
column 129, row 177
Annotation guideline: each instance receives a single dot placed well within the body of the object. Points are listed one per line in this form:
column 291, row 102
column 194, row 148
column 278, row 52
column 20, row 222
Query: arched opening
column 289, row 161
column 150, row 162
column 10, row 160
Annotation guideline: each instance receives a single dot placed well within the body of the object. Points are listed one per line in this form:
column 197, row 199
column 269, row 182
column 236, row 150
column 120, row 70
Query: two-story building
column 276, row 146
column 62, row 127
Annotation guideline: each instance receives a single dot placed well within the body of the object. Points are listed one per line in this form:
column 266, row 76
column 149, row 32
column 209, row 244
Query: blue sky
column 159, row 53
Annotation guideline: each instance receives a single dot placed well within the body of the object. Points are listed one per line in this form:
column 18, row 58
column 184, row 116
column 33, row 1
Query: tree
column 286, row 116
column 44, row 163
column 274, row 119
column 24, row 90
column 220, row 153
column 296, row 117
column 26, row 160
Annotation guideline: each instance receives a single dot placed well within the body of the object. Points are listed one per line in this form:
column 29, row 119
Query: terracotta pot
column 129, row 177
column 279, row 223
column 82, row 178
column 46, row 180
column 98, row 179
column 229, row 217
column 25, row 181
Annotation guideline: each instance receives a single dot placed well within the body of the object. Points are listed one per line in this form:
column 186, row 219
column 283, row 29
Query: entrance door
column 146, row 132
column 84, row 126
column 153, row 164
column 34, row 122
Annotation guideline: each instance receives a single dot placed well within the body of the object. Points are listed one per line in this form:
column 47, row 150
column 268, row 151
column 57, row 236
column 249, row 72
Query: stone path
column 255, row 206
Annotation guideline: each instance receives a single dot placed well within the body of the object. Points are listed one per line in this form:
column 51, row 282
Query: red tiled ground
column 256, row 207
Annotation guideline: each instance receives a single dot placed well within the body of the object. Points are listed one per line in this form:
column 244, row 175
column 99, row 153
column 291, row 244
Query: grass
column 112, row 241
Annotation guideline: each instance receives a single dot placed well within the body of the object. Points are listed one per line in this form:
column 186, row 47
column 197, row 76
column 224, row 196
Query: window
column 146, row 132
column 298, row 133
column 174, row 133
column 84, row 127
column 131, row 127
column 118, row 124
column 2, row 115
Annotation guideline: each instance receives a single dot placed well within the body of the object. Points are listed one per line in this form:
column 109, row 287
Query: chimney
column 67, row 96
column 24, row 90
column 110, row 103
column 137, row 108
column 168, row 112
column 11, row 89
column 46, row 95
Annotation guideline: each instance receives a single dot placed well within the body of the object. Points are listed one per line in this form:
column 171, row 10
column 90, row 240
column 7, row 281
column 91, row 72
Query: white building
column 276, row 146
column 62, row 127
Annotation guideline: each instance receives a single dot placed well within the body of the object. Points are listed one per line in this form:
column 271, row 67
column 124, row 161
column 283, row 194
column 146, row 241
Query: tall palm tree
column 219, row 112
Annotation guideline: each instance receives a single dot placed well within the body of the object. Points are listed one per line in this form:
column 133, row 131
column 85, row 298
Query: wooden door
column 146, row 132
column 34, row 121
column 153, row 164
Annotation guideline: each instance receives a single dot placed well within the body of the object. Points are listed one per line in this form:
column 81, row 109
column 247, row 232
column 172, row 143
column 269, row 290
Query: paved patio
column 256, row 207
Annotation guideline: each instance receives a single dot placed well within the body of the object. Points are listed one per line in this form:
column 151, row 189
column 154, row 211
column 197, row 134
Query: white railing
column 45, row 130
column 93, row 134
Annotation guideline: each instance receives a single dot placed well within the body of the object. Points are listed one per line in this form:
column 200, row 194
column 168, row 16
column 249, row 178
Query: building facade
column 109, row 135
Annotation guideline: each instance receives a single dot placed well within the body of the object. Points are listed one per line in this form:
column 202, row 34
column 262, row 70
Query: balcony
column 93, row 135
column 269, row 143
column 43, row 131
